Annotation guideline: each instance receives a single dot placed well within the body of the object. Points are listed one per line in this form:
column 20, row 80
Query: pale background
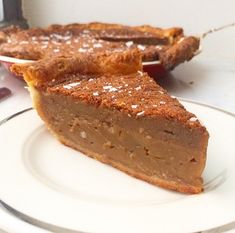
column 194, row 15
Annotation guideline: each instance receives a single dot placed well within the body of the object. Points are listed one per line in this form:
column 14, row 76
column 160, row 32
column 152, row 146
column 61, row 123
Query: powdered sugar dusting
column 67, row 87
column 97, row 45
column 85, row 45
column 140, row 113
column 24, row 42
column 140, row 72
column 71, row 85
column 158, row 47
column 193, row 119
column 129, row 43
column 107, row 87
column 180, row 40
column 134, row 106
column 83, row 134
column 82, row 50
column 56, row 50
column 141, row 47
column 74, row 84
column 113, row 89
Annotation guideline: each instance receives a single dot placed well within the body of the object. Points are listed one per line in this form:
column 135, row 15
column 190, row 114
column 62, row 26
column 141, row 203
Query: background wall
column 193, row 15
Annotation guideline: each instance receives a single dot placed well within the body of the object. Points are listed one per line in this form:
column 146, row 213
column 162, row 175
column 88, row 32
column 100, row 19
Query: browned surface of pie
column 170, row 46
column 106, row 107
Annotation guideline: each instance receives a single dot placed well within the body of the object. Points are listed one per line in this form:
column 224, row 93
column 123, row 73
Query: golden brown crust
column 43, row 71
column 182, row 50
column 170, row 33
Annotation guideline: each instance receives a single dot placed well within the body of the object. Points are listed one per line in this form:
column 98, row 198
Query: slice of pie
column 105, row 106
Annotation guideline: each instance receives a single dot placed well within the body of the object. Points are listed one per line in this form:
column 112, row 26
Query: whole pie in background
column 169, row 46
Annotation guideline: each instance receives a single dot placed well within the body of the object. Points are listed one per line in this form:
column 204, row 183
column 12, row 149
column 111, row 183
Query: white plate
column 55, row 184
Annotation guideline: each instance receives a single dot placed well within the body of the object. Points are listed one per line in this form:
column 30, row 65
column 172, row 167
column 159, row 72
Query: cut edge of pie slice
column 106, row 107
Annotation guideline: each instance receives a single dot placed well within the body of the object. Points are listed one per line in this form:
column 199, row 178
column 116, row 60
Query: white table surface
column 208, row 78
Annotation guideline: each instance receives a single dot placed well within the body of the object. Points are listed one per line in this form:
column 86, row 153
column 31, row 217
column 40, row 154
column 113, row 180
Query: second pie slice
column 105, row 106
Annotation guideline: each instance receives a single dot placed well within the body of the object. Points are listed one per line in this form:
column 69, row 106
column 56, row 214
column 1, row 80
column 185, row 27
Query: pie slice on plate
column 105, row 106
